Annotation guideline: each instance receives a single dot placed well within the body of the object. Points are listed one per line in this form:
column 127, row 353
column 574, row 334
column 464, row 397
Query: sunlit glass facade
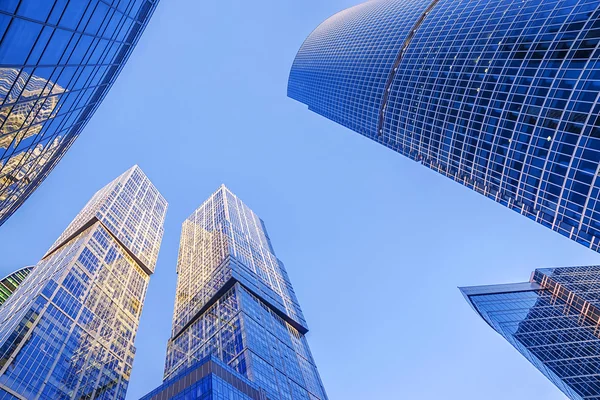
column 9, row 284
column 499, row 95
column 68, row 332
column 235, row 303
column 553, row 320
column 58, row 59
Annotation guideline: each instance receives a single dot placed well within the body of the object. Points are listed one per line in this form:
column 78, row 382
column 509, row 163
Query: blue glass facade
column 58, row 59
column 553, row 321
column 235, row 303
column 68, row 331
column 208, row 379
column 499, row 95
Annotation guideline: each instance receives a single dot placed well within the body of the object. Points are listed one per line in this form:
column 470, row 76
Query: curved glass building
column 9, row 284
column 499, row 95
column 58, row 60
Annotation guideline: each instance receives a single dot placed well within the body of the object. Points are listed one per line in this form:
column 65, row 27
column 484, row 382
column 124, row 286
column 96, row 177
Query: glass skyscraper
column 553, row 320
column 9, row 284
column 499, row 95
column 68, row 331
column 236, row 318
column 58, row 59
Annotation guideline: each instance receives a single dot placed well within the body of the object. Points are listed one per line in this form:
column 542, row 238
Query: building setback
column 69, row 330
column 553, row 321
column 499, row 95
column 238, row 329
column 58, row 60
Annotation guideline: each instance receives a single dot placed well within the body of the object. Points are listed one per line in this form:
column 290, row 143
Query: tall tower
column 58, row 60
column 237, row 325
column 498, row 95
column 68, row 331
column 553, row 321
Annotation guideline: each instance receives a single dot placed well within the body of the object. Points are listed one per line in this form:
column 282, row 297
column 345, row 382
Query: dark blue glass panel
column 42, row 114
column 497, row 95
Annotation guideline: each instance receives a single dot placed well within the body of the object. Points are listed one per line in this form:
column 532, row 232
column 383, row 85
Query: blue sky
column 375, row 244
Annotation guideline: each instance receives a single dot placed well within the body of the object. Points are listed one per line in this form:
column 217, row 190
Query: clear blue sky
column 375, row 244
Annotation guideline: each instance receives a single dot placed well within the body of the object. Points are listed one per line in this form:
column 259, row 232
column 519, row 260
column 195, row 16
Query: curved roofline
column 14, row 272
column 308, row 37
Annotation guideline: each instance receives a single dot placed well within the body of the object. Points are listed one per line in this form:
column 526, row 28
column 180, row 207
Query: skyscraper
column 237, row 325
column 553, row 321
column 58, row 60
column 499, row 95
column 68, row 331
column 9, row 284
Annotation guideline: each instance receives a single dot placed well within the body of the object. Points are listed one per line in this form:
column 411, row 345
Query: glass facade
column 69, row 330
column 235, row 302
column 58, row 59
column 554, row 321
column 9, row 284
column 208, row 379
column 499, row 95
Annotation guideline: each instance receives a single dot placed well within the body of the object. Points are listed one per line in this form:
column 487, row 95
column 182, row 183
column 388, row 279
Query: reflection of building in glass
column 22, row 120
column 499, row 95
column 9, row 284
column 69, row 331
column 23, row 168
column 553, row 321
column 236, row 316
column 59, row 60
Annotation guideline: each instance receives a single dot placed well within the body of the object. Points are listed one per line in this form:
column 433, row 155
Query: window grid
column 57, row 62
